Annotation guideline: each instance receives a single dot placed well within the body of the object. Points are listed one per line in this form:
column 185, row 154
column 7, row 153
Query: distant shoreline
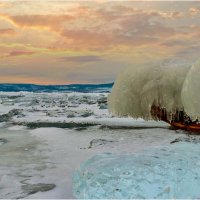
column 85, row 88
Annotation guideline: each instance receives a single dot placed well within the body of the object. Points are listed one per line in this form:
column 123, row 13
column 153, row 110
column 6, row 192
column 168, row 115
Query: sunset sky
column 62, row 42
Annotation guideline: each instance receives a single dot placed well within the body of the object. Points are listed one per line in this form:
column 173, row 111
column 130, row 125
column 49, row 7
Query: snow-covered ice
column 49, row 135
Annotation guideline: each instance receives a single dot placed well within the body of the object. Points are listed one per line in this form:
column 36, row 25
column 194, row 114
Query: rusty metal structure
column 177, row 119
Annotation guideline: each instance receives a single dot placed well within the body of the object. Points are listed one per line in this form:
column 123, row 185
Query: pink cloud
column 7, row 32
column 20, row 53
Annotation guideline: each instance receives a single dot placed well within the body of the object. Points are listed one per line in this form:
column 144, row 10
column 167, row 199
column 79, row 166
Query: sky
column 63, row 42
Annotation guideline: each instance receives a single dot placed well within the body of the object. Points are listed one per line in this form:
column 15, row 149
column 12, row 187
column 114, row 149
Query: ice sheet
column 169, row 172
column 40, row 160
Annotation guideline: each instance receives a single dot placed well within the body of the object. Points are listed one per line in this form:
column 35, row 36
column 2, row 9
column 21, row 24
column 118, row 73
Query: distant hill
column 56, row 88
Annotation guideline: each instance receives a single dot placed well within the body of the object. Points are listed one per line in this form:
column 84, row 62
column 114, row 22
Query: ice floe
column 166, row 172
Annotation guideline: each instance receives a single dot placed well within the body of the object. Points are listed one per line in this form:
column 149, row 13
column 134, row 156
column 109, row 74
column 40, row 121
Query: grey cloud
column 81, row 59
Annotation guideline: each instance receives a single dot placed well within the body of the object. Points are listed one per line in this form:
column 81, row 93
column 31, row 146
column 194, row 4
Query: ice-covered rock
column 39, row 187
column 3, row 141
column 166, row 172
column 189, row 138
column 102, row 106
column 34, row 102
column 6, row 117
column 98, row 142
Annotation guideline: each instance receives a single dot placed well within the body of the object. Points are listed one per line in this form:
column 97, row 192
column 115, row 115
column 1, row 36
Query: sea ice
column 44, row 156
column 172, row 171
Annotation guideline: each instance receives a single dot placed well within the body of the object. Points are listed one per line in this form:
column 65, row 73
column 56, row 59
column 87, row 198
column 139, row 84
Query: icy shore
column 44, row 143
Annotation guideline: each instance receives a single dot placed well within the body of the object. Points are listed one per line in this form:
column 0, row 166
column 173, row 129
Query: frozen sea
column 66, row 145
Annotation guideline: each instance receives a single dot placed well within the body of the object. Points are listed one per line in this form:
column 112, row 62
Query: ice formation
column 166, row 172
column 191, row 91
column 173, row 86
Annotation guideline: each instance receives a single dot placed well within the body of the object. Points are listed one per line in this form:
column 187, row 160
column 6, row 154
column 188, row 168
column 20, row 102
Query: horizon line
column 112, row 82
